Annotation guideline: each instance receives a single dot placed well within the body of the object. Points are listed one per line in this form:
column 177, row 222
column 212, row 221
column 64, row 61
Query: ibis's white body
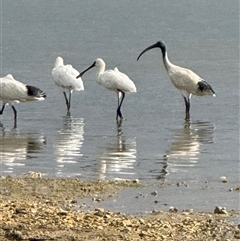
column 185, row 80
column 65, row 76
column 13, row 90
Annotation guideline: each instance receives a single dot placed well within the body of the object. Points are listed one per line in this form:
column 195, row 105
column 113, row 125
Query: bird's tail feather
column 35, row 92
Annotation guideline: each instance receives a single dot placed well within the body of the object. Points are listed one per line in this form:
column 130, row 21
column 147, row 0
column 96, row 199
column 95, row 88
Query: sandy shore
column 48, row 209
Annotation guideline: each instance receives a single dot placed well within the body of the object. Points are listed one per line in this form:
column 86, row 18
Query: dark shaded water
column 154, row 143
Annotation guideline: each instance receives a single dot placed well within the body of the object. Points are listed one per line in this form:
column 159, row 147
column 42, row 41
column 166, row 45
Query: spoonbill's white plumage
column 112, row 80
column 12, row 90
column 183, row 79
column 65, row 77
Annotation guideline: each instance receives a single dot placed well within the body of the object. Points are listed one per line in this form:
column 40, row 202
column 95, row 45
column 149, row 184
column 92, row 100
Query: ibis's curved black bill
column 82, row 73
column 159, row 44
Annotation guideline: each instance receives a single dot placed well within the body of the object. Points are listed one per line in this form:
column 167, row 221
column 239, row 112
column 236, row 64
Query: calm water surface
column 153, row 143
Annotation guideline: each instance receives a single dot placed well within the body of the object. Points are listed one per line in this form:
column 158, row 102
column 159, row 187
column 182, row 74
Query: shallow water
column 153, row 143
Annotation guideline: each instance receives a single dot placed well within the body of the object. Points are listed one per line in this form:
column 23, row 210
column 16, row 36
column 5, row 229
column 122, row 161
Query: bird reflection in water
column 185, row 147
column 68, row 142
column 18, row 146
column 117, row 160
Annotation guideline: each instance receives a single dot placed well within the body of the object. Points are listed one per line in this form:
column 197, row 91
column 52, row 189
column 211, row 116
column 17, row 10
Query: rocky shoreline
column 36, row 208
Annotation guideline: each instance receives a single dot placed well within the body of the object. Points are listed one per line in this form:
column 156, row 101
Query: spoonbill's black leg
column 1, row 111
column 15, row 112
column 187, row 104
column 119, row 107
column 66, row 99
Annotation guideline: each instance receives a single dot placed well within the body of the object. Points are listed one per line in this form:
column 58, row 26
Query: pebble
column 31, row 174
column 173, row 209
column 154, row 193
column 224, row 179
column 99, row 210
column 220, row 210
column 135, row 181
column 62, row 212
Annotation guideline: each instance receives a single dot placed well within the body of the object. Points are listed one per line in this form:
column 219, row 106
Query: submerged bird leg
column 1, row 111
column 119, row 106
column 15, row 113
column 118, row 96
column 15, row 124
column 66, row 99
column 69, row 99
column 187, row 104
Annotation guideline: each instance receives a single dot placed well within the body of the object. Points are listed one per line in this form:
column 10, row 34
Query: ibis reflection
column 117, row 160
column 17, row 146
column 68, row 142
column 186, row 145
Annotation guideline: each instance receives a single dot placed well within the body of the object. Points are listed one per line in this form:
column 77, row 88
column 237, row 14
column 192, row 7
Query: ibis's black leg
column 15, row 123
column 187, row 104
column 119, row 107
column 1, row 111
column 66, row 98
column 15, row 113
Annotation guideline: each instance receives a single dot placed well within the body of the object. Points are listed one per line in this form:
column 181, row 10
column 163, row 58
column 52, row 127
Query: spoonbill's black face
column 82, row 73
column 159, row 44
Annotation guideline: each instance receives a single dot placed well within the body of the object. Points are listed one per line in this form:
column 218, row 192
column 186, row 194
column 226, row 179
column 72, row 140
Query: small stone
column 154, row 211
column 220, row 210
column 135, row 181
column 188, row 210
column 20, row 210
column 173, row 209
column 62, row 212
column 97, row 199
column 154, row 193
column 101, row 210
column 141, row 221
column 224, row 179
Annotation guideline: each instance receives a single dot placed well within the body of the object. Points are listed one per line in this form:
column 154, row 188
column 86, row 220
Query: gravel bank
column 48, row 209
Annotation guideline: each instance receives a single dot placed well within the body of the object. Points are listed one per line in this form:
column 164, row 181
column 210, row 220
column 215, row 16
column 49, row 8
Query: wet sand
column 36, row 208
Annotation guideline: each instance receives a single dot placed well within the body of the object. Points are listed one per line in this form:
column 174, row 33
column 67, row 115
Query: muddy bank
column 49, row 209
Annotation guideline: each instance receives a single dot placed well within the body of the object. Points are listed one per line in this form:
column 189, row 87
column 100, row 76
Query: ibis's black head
column 159, row 44
column 82, row 73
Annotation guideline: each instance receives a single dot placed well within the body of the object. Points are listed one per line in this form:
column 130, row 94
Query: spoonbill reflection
column 68, row 142
column 16, row 147
column 118, row 158
column 112, row 80
column 183, row 79
column 12, row 90
column 65, row 77
column 186, row 143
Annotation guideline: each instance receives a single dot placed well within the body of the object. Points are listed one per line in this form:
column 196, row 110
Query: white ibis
column 112, row 80
column 183, row 79
column 65, row 77
column 12, row 90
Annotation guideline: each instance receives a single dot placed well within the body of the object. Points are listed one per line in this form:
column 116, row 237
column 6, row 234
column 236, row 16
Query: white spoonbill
column 183, row 79
column 112, row 80
column 65, row 77
column 12, row 90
